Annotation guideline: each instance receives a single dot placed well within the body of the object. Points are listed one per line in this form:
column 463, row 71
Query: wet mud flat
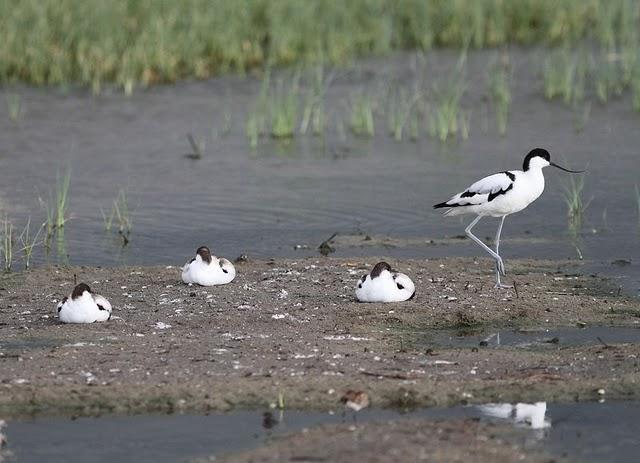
column 290, row 332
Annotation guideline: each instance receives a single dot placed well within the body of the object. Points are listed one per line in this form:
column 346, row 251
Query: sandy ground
column 401, row 441
column 293, row 328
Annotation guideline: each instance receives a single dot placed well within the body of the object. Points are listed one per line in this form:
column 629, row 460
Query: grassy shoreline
column 141, row 42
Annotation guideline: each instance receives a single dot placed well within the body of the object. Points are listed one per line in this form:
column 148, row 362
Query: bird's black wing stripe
column 64, row 300
column 100, row 307
column 493, row 196
column 511, row 175
column 438, row 206
column 468, row 194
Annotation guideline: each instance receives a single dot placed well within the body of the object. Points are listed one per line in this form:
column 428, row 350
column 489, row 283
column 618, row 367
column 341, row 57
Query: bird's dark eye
column 359, row 285
column 399, row 286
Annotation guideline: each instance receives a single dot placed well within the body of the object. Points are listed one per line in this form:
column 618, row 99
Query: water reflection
column 530, row 415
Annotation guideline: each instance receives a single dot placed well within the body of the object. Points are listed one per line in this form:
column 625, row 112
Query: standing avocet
column 501, row 194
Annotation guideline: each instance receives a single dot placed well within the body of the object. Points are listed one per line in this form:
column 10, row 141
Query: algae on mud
column 292, row 327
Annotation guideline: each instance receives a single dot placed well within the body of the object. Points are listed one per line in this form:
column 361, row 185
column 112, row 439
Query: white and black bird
column 500, row 195
column 83, row 306
column 206, row 269
column 384, row 285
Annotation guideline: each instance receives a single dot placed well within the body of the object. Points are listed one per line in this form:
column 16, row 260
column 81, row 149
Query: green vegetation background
column 141, row 42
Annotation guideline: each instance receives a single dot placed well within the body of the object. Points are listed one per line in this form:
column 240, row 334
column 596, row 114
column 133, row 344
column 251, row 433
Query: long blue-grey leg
column 481, row 244
column 499, row 263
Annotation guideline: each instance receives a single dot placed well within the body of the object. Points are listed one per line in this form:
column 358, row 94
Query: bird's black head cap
column 535, row 153
column 204, row 253
column 79, row 290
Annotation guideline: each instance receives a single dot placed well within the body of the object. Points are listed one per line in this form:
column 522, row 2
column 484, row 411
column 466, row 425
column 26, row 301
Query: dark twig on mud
column 325, row 247
column 197, row 152
column 388, row 376
column 515, row 288
column 606, row 346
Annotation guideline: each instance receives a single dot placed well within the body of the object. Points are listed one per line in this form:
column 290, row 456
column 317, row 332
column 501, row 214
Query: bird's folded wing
column 480, row 190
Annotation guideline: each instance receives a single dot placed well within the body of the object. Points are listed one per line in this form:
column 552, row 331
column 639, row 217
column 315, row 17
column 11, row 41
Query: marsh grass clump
column 608, row 77
column 57, row 205
column 255, row 126
column 445, row 114
column 283, row 107
column 62, row 199
column 314, row 114
column 402, row 113
column 361, row 119
column 635, row 89
column 564, row 76
column 120, row 216
column 29, row 242
column 500, row 90
column 6, row 244
column 576, row 206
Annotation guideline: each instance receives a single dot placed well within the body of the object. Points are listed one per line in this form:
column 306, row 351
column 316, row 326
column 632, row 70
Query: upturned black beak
column 566, row 170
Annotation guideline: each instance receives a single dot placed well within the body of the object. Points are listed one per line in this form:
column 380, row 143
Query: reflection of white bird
column 500, row 195
column 384, row 285
column 3, row 438
column 83, row 306
column 530, row 414
column 208, row 270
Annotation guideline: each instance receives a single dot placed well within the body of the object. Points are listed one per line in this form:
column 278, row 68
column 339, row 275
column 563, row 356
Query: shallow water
column 534, row 338
column 264, row 202
column 577, row 431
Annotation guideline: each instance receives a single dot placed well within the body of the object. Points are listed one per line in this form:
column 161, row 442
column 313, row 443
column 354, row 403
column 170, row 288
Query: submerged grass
column 142, row 42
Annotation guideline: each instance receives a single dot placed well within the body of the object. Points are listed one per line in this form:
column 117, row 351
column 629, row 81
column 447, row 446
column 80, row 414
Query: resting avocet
column 530, row 414
column 384, row 285
column 501, row 194
column 83, row 306
column 207, row 270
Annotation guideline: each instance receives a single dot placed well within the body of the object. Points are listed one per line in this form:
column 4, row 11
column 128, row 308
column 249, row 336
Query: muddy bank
column 292, row 327
column 402, row 440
